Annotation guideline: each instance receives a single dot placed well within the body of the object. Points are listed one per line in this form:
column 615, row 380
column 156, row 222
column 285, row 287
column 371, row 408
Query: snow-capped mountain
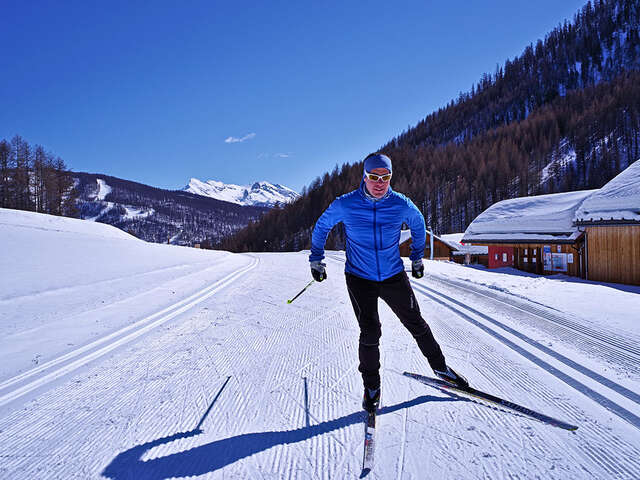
column 157, row 215
column 260, row 194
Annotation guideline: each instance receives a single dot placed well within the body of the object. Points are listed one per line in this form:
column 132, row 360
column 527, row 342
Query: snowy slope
column 65, row 281
column 263, row 194
column 238, row 384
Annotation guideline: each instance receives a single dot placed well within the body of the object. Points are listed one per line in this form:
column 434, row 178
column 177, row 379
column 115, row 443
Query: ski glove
column 417, row 268
column 318, row 271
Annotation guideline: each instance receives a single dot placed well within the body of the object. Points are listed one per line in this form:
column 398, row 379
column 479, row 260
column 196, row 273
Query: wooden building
column 533, row 234
column 442, row 249
column 610, row 219
column 592, row 234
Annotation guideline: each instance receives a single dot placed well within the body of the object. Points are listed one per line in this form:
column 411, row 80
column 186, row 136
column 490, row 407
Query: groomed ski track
column 242, row 385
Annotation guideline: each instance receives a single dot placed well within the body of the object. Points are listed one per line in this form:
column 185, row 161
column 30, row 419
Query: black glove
column 318, row 271
column 417, row 268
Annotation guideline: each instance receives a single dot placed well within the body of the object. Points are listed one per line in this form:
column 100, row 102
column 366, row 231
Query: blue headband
column 377, row 161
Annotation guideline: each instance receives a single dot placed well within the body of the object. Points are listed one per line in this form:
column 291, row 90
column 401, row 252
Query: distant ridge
column 259, row 194
column 157, row 215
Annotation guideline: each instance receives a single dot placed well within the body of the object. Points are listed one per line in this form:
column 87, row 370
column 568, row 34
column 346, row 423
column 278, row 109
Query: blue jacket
column 373, row 232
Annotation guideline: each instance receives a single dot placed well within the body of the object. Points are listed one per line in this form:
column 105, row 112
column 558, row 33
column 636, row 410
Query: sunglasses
column 374, row 178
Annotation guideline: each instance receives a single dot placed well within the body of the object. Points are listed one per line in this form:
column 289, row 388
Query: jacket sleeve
column 331, row 216
column 415, row 220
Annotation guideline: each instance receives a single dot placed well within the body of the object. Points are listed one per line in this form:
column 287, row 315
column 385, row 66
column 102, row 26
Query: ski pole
column 301, row 291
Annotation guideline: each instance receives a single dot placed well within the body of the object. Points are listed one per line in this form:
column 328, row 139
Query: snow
column 542, row 217
column 12, row 221
column 123, row 359
column 570, row 295
column 452, row 237
column 133, row 213
column 258, row 194
column 472, row 250
column 63, row 277
column 558, row 161
column 406, row 234
column 103, row 189
column 617, row 200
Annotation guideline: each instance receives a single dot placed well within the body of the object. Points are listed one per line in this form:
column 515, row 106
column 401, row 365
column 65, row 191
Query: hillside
column 563, row 116
column 158, row 215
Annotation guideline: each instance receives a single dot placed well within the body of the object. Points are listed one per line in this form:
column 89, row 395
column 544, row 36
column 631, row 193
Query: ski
column 369, row 442
column 487, row 397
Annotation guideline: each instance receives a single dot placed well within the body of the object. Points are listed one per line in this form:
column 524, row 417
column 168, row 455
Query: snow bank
column 10, row 220
column 65, row 281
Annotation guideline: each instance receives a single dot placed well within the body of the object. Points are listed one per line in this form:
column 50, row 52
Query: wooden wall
column 614, row 253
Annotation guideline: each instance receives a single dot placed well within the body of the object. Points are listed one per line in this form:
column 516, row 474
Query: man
column 373, row 216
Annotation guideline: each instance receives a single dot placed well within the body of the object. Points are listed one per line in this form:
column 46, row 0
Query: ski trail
column 626, row 454
column 88, row 353
column 134, row 413
column 597, row 396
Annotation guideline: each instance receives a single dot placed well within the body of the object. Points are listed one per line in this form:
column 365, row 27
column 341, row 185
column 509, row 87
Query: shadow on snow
column 220, row 453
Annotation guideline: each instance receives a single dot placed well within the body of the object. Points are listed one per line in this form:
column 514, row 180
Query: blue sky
column 159, row 92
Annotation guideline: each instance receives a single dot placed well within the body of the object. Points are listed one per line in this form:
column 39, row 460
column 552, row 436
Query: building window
column 504, row 258
column 496, row 257
column 525, row 251
column 534, row 259
column 534, row 252
column 525, row 260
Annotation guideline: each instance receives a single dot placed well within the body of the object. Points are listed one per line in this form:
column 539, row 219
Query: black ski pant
column 397, row 293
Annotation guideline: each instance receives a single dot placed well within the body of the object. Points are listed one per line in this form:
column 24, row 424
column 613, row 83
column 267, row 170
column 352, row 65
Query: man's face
column 377, row 189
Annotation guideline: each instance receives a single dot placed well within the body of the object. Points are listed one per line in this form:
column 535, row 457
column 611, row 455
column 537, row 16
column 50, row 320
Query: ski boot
column 371, row 399
column 450, row 376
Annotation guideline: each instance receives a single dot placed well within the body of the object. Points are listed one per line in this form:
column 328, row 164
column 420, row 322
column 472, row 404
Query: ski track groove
column 608, row 346
column 600, row 457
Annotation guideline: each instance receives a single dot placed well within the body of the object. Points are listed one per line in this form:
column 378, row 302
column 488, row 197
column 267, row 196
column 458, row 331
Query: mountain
column 157, row 215
column 260, row 194
column 563, row 116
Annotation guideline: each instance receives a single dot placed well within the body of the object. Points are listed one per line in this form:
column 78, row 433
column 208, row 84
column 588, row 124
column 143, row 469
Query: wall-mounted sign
column 546, row 257
column 559, row 262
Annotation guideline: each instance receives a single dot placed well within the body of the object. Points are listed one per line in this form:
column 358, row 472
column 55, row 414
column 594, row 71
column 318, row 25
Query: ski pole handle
column 301, row 291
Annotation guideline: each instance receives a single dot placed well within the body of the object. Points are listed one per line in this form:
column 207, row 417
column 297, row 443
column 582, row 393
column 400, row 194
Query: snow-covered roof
column 543, row 217
column 406, row 235
column 618, row 200
column 472, row 250
column 452, row 237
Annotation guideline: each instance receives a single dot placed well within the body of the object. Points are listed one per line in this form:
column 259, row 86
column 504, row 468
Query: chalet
column 437, row 248
column 534, row 234
column 592, row 234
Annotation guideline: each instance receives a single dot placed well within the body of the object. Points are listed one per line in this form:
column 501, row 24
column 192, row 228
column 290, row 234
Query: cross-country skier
column 373, row 216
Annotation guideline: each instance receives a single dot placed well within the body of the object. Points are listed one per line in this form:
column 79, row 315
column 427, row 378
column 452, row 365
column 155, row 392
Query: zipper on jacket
column 375, row 241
